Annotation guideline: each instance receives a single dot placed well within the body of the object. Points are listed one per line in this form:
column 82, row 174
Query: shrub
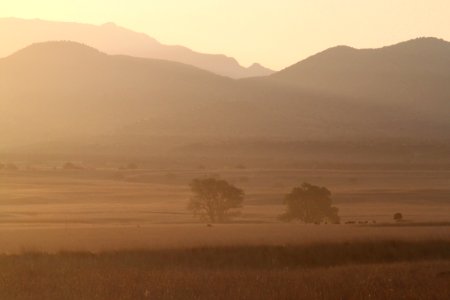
column 398, row 217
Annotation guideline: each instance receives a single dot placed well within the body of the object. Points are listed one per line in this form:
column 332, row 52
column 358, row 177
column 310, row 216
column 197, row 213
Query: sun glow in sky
column 275, row 33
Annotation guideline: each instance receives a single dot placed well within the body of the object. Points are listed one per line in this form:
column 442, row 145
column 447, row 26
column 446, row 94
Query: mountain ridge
column 406, row 72
column 113, row 39
column 75, row 90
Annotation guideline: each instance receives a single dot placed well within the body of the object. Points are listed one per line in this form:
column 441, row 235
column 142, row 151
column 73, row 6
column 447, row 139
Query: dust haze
column 130, row 169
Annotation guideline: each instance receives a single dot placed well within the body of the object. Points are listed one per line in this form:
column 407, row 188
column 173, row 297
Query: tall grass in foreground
column 358, row 270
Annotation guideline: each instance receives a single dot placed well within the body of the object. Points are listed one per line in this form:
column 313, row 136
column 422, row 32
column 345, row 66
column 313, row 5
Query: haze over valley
column 67, row 93
column 113, row 39
column 137, row 169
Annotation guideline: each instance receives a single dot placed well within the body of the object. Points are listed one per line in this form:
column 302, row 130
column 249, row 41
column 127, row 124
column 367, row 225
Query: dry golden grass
column 111, row 212
column 50, row 209
column 364, row 270
column 104, row 238
column 394, row 281
column 111, row 197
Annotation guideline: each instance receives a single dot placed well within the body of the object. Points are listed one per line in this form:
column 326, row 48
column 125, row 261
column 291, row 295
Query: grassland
column 73, row 234
column 47, row 196
column 358, row 270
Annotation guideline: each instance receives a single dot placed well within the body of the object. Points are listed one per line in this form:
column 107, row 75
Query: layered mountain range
column 65, row 90
column 112, row 39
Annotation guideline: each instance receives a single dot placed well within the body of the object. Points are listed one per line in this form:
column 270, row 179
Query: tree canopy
column 310, row 204
column 214, row 199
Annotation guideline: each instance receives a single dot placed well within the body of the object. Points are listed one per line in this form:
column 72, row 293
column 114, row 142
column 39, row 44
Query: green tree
column 310, row 204
column 214, row 199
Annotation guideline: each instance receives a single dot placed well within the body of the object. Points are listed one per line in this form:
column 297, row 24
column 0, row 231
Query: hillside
column 61, row 89
column 112, row 39
column 413, row 74
column 65, row 91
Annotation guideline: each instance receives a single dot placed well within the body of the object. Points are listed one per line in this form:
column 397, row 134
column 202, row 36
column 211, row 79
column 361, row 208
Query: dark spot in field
column 445, row 274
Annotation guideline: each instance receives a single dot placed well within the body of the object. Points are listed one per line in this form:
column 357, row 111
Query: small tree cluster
column 215, row 200
column 9, row 167
column 71, row 166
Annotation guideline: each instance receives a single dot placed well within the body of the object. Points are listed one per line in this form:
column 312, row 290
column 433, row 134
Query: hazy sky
column 275, row 33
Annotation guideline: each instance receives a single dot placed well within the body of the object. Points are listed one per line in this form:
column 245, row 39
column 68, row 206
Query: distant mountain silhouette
column 257, row 70
column 56, row 90
column 415, row 73
column 113, row 39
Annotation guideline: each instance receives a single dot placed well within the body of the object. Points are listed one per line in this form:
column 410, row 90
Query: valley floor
column 73, row 234
column 359, row 270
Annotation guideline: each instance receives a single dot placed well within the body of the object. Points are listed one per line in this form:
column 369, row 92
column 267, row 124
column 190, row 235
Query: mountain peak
column 110, row 24
column 422, row 44
column 425, row 40
column 337, row 50
column 58, row 49
column 113, row 39
column 255, row 66
column 257, row 69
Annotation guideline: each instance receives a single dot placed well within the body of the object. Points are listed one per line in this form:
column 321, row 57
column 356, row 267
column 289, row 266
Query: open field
column 168, row 236
column 126, row 234
column 359, row 270
column 141, row 197
column 49, row 209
